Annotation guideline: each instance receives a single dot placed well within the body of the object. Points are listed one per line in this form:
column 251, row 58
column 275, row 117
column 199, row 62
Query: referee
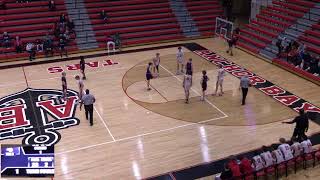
column 88, row 100
column 244, row 85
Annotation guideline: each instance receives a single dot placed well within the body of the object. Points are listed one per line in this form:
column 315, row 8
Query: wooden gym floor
column 139, row 133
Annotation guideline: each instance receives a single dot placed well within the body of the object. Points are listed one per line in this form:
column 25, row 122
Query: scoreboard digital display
column 27, row 161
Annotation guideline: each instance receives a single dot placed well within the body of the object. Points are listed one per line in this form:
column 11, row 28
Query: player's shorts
column 220, row 81
column 204, row 87
column 180, row 60
column 148, row 76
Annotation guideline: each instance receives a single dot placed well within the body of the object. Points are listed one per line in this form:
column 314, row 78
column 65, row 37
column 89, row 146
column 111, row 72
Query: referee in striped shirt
column 88, row 100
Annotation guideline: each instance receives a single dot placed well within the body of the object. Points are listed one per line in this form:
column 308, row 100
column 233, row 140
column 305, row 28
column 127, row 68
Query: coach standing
column 244, row 85
column 88, row 100
column 302, row 126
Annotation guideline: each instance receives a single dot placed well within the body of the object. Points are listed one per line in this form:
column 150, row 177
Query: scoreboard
column 27, row 161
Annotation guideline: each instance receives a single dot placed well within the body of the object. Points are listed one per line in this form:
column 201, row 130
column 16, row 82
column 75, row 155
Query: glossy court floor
column 139, row 133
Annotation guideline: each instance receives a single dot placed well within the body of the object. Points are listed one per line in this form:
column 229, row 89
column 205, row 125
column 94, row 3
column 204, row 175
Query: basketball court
column 138, row 133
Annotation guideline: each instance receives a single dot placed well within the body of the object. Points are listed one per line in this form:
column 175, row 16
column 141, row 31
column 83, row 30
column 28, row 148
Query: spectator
column 267, row 157
column 6, row 40
column 285, row 149
column 234, row 166
column 39, row 45
column 48, row 46
column 117, row 40
column 226, row 174
column 62, row 47
column 31, row 50
column 278, row 44
column 245, row 166
column 52, row 5
column 302, row 125
column 277, row 156
column 296, row 148
column 62, row 18
column 257, row 161
column 103, row 15
column 18, row 44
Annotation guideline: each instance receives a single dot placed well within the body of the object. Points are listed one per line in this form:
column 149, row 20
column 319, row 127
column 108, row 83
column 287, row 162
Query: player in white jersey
column 267, row 157
column 220, row 77
column 80, row 86
column 306, row 146
column 156, row 64
column 296, row 148
column 180, row 60
column 285, row 149
column 187, row 83
column 257, row 162
column 278, row 156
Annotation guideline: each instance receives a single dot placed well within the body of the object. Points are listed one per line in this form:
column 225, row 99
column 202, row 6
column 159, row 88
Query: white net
column 224, row 28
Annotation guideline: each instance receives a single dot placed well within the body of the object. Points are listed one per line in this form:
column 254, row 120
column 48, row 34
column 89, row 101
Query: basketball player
column 232, row 42
column 187, row 83
column 306, row 146
column 257, row 161
column 278, row 156
column 285, row 149
column 189, row 68
column 203, row 83
column 82, row 68
column 296, row 148
column 64, row 85
column 80, row 85
column 156, row 64
column 180, row 61
column 149, row 75
column 267, row 157
column 220, row 77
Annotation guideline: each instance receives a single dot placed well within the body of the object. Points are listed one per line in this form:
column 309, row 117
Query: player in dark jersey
column 204, row 84
column 82, row 68
column 64, row 85
column 149, row 75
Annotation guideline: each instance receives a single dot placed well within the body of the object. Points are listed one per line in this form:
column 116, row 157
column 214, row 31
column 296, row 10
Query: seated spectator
column 18, row 44
column 245, row 166
column 234, row 166
column 296, row 148
column 226, row 174
column 306, row 146
column 52, row 5
column 30, row 48
column 277, row 156
column 48, row 46
column 279, row 46
column 267, row 157
column 257, row 161
column 39, row 45
column 285, row 149
column 3, row 4
column 6, row 40
column 103, row 15
column 62, row 47
column 62, row 18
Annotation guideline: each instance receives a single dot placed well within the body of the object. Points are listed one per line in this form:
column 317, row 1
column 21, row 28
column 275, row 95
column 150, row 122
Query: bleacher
column 30, row 21
column 204, row 13
column 272, row 21
column 137, row 21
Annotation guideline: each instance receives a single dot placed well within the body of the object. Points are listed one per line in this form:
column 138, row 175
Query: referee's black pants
column 89, row 112
column 244, row 95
